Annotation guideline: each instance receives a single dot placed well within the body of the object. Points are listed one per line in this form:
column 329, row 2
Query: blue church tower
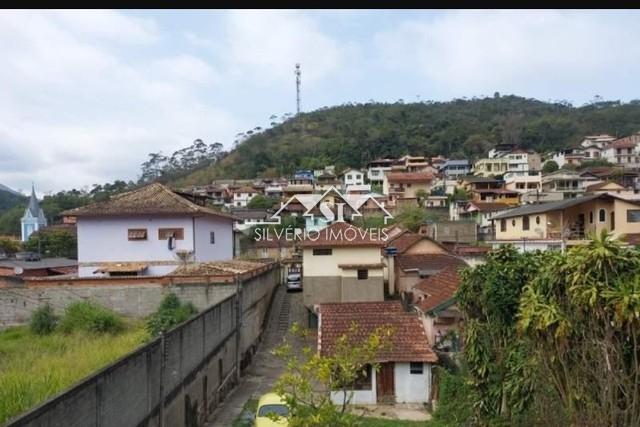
column 33, row 218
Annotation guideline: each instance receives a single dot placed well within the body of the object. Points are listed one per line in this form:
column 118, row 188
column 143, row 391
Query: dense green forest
column 9, row 199
column 354, row 134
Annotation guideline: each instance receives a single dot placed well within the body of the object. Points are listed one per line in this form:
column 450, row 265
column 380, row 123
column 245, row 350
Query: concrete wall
column 179, row 378
column 412, row 388
column 19, row 300
column 317, row 290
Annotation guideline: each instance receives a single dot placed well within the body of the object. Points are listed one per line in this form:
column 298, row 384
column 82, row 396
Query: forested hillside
column 9, row 198
column 353, row 134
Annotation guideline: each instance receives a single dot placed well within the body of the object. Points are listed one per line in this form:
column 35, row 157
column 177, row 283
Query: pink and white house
column 149, row 232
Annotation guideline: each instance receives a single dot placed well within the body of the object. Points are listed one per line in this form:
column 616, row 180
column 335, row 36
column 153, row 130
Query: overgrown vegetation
column 170, row 313
column 34, row 367
column 87, row 316
column 43, row 320
column 53, row 243
column 354, row 134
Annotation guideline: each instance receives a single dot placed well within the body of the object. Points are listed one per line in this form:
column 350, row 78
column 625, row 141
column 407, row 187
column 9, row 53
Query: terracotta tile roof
column 626, row 142
column 343, row 234
column 428, row 262
column 245, row 190
column 408, row 342
column 152, row 199
column 409, row 177
column 462, row 249
column 404, row 241
column 438, row 289
column 273, row 242
column 123, row 267
column 217, row 267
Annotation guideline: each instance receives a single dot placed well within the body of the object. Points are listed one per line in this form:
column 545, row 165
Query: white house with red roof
column 405, row 360
column 149, row 231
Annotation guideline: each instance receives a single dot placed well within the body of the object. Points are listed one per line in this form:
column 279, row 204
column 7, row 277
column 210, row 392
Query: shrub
column 170, row 313
column 43, row 320
column 90, row 317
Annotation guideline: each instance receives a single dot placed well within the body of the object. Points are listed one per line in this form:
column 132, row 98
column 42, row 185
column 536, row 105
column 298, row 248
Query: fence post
column 162, row 369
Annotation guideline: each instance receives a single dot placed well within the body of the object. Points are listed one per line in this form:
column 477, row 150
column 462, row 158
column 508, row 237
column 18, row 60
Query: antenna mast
column 298, row 74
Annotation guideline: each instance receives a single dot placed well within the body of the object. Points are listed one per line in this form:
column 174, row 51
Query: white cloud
column 266, row 44
column 80, row 108
column 535, row 52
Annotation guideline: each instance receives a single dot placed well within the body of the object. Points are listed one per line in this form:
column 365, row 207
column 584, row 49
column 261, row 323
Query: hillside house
column 406, row 185
column 147, row 232
column 342, row 263
column 556, row 225
column 242, row 196
column 623, row 152
column 406, row 359
column 352, row 177
column 377, row 168
column 455, row 168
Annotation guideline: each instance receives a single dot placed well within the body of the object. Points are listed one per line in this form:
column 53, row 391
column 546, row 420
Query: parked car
column 28, row 256
column 294, row 282
column 271, row 403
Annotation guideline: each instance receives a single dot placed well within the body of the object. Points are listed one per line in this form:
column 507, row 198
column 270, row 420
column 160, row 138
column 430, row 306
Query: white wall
column 412, row 388
column 106, row 240
column 222, row 249
column 358, row 397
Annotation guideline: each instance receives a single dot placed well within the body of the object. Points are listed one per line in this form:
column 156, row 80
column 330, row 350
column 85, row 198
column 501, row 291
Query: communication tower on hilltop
column 298, row 74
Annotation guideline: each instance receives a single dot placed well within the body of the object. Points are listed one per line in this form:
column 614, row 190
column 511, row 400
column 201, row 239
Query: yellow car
column 271, row 403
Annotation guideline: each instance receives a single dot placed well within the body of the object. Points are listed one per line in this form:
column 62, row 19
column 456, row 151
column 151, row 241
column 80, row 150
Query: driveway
column 266, row 368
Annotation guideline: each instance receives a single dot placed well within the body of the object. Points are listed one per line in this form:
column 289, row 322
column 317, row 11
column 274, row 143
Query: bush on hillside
column 170, row 313
column 90, row 317
column 43, row 320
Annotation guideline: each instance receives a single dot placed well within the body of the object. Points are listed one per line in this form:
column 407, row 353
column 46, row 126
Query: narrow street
column 266, row 368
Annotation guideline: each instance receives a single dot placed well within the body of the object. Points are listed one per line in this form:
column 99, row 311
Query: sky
column 86, row 95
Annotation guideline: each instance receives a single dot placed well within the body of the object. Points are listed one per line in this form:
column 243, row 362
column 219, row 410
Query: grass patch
column 35, row 367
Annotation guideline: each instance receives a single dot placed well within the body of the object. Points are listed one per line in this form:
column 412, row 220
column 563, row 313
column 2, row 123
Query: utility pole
column 298, row 74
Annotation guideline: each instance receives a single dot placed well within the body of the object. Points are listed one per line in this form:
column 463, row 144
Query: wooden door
column 385, row 383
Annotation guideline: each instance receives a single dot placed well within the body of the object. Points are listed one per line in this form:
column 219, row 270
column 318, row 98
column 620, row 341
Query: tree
column 310, row 378
column 421, row 195
column 412, row 216
column 53, row 243
column 550, row 166
column 499, row 368
column 581, row 314
column 262, row 202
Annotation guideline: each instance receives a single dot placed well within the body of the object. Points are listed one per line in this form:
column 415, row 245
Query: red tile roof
column 152, row 199
column 408, row 340
column 428, row 262
column 626, row 142
column 600, row 185
column 343, row 234
column 409, row 177
column 491, row 206
column 438, row 289
column 404, row 241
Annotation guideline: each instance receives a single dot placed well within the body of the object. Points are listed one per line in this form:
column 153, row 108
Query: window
column 363, row 379
column 165, row 233
column 537, row 220
column 633, row 215
column 416, row 368
column 363, row 274
column 503, row 225
column 602, row 215
column 408, row 185
column 525, row 222
column 137, row 234
column 349, row 176
column 212, row 237
column 513, row 222
column 591, row 217
column 322, row 252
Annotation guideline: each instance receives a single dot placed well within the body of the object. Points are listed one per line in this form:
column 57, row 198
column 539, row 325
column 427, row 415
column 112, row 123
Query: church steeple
column 33, row 218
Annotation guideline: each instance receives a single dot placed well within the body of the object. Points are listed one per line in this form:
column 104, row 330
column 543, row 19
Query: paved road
column 265, row 369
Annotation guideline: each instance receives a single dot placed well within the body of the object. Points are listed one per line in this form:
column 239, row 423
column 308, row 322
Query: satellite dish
column 18, row 271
